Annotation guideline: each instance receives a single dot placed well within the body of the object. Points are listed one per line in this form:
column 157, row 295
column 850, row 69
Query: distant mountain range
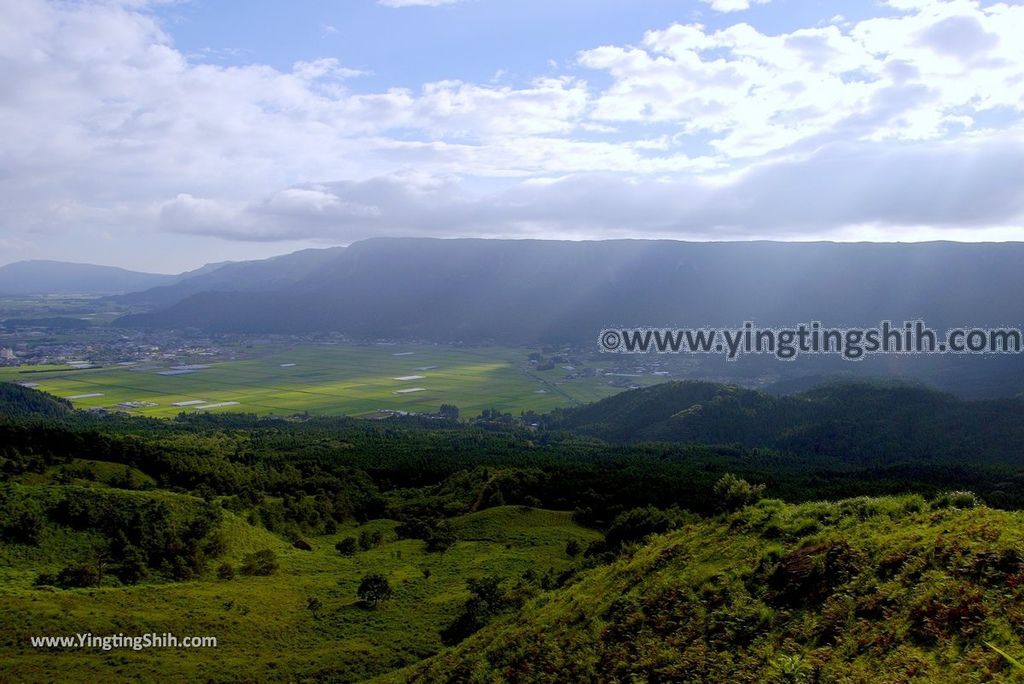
column 61, row 277
column 529, row 291
column 274, row 274
column 535, row 292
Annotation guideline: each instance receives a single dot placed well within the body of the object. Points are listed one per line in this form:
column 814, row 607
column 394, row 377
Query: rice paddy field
column 324, row 380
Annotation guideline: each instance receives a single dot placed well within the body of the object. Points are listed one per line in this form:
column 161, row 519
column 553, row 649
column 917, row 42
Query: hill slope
column 854, row 591
column 525, row 291
column 855, row 423
column 261, row 275
column 59, row 277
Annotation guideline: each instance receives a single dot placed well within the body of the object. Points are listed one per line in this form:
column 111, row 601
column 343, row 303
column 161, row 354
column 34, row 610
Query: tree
column 639, row 523
column 347, row 546
column 374, row 589
column 486, row 599
column 226, row 571
column 449, row 411
column 572, row 548
column 313, row 605
column 368, row 540
column 133, row 567
column 441, row 537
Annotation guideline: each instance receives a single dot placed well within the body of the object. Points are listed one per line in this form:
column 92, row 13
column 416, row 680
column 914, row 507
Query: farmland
column 324, row 380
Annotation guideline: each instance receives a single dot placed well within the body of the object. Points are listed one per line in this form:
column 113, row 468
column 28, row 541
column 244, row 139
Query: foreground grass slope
column 862, row 590
column 264, row 625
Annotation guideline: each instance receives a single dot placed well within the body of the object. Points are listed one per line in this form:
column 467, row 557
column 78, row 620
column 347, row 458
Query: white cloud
column 733, row 5
column 928, row 187
column 885, row 122
column 917, row 75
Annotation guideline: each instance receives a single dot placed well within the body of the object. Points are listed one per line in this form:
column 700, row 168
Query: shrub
column 226, row 571
column 441, row 538
column 486, row 600
column 347, row 546
column 733, row 493
column 77, row 575
column 638, row 524
column 368, row 540
column 260, row 563
column 955, row 500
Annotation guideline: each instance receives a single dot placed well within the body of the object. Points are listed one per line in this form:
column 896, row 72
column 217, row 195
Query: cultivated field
column 326, row 380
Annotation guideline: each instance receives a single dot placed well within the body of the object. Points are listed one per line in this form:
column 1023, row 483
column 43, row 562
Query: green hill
column 863, row 424
column 860, row 590
column 265, row 627
column 20, row 402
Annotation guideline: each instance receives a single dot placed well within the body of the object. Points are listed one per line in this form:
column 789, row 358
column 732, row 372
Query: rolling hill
column 853, row 423
column 60, row 277
column 889, row 589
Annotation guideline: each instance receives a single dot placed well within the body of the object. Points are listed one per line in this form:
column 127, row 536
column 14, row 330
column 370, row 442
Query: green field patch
column 324, row 380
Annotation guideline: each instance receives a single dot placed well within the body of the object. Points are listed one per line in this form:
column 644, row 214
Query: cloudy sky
column 161, row 136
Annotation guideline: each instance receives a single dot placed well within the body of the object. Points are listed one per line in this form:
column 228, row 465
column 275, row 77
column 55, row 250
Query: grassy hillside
column 862, row 590
column 264, row 625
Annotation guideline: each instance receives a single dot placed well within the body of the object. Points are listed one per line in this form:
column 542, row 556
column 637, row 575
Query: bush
column 486, row 600
column 226, row 571
column 347, row 546
column 374, row 589
column 72, row 576
column 733, row 493
column 956, row 500
column 638, row 524
column 369, row 540
column 261, row 563
column 22, row 527
column 441, row 538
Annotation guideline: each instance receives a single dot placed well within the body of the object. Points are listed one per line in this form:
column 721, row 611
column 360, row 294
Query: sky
column 164, row 135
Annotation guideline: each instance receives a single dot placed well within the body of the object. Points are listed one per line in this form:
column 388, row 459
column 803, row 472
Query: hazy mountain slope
column 860, row 590
column 275, row 273
column 59, row 277
column 865, row 424
column 524, row 291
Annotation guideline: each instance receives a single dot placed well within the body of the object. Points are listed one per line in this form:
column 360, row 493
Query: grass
column 330, row 380
column 264, row 628
column 885, row 590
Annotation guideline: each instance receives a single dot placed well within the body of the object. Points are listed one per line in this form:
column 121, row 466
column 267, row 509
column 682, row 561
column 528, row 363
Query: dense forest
column 106, row 501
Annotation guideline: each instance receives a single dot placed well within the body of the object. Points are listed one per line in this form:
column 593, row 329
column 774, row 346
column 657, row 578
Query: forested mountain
column 530, row 291
column 854, row 423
